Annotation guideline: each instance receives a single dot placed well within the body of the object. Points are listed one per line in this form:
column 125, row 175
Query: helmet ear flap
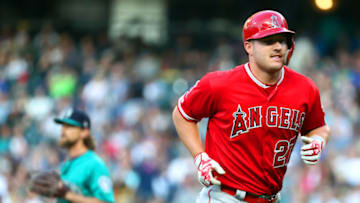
column 290, row 41
column 290, row 51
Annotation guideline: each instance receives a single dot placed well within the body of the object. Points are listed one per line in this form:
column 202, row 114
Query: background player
column 256, row 112
column 84, row 177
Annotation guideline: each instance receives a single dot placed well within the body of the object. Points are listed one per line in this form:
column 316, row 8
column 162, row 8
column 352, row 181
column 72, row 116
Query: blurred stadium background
column 127, row 61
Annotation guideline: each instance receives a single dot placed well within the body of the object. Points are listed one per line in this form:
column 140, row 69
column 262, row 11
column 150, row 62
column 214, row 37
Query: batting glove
column 205, row 165
column 311, row 151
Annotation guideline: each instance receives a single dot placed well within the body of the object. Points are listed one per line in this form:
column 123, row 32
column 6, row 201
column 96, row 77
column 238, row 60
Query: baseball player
column 256, row 112
column 84, row 176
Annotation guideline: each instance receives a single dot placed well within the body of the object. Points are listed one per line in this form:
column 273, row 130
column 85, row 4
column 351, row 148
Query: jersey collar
column 258, row 82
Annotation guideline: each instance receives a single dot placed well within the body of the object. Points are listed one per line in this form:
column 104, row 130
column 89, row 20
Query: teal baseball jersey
column 88, row 175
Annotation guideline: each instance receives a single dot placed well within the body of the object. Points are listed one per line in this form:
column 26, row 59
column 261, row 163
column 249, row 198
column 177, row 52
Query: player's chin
column 277, row 64
column 65, row 143
column 275, row 67
column 62, row 142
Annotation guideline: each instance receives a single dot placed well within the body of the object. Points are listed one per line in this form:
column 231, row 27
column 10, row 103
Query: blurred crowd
column 129, row 90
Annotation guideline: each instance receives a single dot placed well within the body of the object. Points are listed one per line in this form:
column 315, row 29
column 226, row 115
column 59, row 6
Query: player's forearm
column 188, row 133
column 76, row 198
column 323, row 132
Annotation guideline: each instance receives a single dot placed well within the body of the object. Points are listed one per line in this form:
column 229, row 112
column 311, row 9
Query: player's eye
column 270, row 41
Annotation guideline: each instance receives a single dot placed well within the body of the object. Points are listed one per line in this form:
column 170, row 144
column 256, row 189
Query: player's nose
column 277, row 45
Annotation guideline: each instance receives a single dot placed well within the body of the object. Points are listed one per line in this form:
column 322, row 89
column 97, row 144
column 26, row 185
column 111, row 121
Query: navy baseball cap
column 74, row 117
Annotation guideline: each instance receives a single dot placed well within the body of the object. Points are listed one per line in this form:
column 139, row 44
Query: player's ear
column 248, row 47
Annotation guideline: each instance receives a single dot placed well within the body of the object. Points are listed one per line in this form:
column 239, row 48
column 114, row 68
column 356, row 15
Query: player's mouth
column 276, row 57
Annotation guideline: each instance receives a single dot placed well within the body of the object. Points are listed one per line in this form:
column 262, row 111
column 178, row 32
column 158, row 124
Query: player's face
column 269, row 53
column 70, row 135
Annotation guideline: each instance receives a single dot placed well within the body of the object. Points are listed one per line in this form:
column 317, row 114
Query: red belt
column 250, row 197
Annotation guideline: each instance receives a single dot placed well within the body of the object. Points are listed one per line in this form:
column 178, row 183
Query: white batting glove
column 311, row 151
column 205, row 165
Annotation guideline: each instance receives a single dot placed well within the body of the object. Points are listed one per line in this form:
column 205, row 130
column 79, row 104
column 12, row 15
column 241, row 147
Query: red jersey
column 253, row 127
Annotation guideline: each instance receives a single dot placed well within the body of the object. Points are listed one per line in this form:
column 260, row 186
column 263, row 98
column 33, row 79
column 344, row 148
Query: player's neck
column 266, row 77
column 78, row 149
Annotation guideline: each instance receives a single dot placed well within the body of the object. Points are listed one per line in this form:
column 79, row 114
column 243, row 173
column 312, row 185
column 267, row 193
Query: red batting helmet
column 266, row 23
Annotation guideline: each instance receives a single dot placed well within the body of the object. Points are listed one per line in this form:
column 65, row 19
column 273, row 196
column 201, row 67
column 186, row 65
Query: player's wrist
column 63, row 190
column 197, row 154
column 318, row 138
column 199, row 157
column 69, row 195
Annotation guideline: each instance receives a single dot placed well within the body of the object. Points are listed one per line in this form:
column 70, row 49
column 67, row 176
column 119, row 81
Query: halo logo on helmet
column 275, row 23
column 266, row 23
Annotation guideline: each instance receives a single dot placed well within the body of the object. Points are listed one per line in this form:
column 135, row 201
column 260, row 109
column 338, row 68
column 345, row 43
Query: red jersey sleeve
column 197, row 102
column 315, row 115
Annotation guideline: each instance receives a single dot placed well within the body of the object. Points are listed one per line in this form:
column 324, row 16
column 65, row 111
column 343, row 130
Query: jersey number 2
column 283, row 149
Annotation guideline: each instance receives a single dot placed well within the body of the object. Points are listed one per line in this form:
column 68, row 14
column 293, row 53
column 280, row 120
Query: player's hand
column 311, row 151
column 205, row 166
